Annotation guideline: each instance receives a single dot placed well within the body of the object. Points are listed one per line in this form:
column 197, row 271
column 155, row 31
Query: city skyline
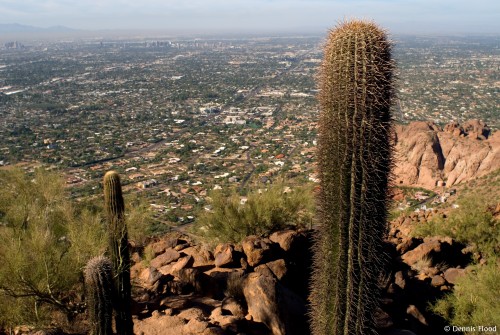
column 259, row 16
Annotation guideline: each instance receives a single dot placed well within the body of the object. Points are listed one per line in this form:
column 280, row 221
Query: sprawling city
column 181, row 117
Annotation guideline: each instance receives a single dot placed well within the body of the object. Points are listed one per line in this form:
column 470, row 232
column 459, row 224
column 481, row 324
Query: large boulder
column 225, row 256
column 277, row 268
column 169, row 255
column 284, row 238
column 436, row 251
column 159, row 247
column 257, row 250
column 453, row 274
column 269, row 302
column 149, row 276
column 201, row 254
column 181, row 263
column 423, row 253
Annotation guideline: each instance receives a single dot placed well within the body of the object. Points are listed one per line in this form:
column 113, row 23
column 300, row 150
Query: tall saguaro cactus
column 118, row 247
column 99, row 290
column 354, row 162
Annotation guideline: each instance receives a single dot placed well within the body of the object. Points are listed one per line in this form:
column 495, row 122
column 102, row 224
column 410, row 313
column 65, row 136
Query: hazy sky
column 399, row 16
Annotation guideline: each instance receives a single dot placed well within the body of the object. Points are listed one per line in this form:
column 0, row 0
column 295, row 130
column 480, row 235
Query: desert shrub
column 474, row 300
column 266, row 211
column 44, row 243
column 139, row 218
column 471, row 223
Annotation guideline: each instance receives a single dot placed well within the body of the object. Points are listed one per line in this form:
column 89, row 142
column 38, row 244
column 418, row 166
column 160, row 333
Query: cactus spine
column 99, row 288
column 354, row 162
column 118, row 247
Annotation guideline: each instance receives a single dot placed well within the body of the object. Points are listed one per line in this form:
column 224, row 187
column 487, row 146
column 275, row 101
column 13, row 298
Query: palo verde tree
column 354, row 161
column 118, row 248
column 45, row 240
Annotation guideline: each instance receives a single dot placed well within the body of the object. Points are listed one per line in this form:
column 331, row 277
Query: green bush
column 474, row 300
column 44, row 243
column 471, row 223
column 265, row 212
column 139, row 218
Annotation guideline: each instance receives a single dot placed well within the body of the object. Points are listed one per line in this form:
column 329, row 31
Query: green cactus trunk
column 354, row 162
column 118, row 247
column 99, row 290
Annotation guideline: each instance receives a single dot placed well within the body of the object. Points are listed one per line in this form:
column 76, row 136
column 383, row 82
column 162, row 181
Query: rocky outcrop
column 188, row 288
column 429, row 156
column 256, row 287
column 422, row 271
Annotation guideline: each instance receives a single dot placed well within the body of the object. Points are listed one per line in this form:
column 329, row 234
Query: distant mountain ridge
column 21, row 28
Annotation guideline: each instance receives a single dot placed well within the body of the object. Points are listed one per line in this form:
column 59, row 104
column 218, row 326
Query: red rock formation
column 426, row 155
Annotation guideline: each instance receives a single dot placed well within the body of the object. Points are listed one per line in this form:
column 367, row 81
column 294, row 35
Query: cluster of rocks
column 474, row 129
column 423, row 270
column 258, row 286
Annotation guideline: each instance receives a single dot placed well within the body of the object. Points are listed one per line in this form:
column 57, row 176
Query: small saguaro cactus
column 99, row 290
column 354, row 163
column 118, row 248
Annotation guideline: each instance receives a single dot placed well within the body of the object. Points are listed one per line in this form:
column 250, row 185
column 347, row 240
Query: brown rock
column 195, row 326
column 415, row 313
column 284, row 238
column 192, row 313
column 136, row 269
column 422, row 252
column 201, row 254
column 264, row 270
column 477, row 127
column 407, row 244
column 194, row 280
column 453, row 274
column 135, row 257
column 432, row 271
column 438, row 281
column 277, row 267
column 274, row 305
column 182, row 263
column 225, row 321
column 256, row 249
column 224, row 255
column 399, row 279
column 452, row 127
column 162, row 245
column 212, row 330
column 422, row 276
column 160, row 324
column 149, row 276
column 232, row 306
column 182, row 246
column 244, row 264
column 170, row 255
